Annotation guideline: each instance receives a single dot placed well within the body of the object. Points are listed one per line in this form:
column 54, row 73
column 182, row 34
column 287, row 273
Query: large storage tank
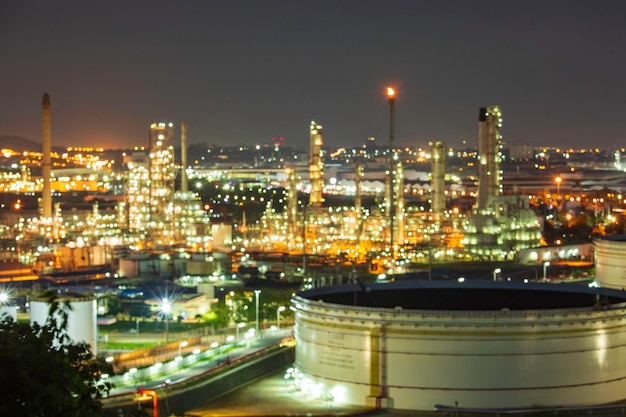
column 473, row 345
column 610, row 261
column 82, row 319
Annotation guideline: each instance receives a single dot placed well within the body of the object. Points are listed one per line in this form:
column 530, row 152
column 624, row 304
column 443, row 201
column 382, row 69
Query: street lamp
column 558, row 181
column 239, row 326
column 281, row 308
column 495, row 274
column 391, row 97
column 166, row 307
column 256, row 295
column 545, row 269
column 181, row 345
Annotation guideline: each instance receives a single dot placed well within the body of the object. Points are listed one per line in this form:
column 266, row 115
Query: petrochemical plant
column 151, row 214
column 381, row 211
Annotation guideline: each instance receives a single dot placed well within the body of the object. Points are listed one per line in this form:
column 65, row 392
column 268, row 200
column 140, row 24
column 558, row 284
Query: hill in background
column 19, row 144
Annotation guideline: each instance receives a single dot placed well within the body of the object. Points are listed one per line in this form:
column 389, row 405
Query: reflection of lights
column 601, row 346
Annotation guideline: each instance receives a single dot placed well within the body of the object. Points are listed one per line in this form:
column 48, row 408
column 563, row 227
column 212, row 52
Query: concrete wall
column 180, row 401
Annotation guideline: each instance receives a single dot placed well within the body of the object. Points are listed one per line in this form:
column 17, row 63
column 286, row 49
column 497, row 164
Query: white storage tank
column 82, row 319
column 483, row 345
column 610, row 261
column 8, row 311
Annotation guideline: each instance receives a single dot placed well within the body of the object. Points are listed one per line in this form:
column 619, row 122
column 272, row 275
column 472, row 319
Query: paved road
column 174, row 372
column 272, row 396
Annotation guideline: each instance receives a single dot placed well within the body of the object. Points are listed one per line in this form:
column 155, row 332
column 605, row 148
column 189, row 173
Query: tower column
column 46, row 164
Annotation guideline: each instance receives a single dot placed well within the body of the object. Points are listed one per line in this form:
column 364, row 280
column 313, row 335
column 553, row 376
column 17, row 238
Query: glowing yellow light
column 391, row 93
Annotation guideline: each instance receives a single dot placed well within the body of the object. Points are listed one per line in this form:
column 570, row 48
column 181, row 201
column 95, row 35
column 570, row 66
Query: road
column 168, row 374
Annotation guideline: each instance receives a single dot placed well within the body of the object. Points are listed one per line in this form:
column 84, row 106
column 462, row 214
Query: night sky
column 242, row 72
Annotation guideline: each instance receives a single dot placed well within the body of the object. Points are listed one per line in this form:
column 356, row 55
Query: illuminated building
column 316, row 165
column 500, row 224
column 153, row 211
column 134, row 214
column 191, row 225
column 438, row 158
column 490, row 156
column 161, row 174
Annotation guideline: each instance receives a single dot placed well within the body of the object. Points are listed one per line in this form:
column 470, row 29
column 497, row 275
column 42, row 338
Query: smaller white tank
column 8, row 311
column 82, row 320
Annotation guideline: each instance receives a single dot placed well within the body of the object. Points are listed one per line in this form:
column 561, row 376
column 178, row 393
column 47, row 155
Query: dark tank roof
column 612, row 238
column 477, row 295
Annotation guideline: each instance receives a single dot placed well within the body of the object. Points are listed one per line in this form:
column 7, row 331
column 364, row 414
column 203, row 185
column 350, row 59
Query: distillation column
column 162, row 174
column 316, row 165
column 358, row 198
column 399, row 203
column 292, row 208
column 184, row 187
column 489, row 146
column 438, row 166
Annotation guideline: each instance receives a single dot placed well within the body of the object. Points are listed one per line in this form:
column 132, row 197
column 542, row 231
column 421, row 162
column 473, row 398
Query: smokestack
column 183, row 157
column 46, row 165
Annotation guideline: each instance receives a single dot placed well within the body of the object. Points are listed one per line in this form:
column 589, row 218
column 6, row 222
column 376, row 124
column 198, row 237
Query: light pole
column 181, row 345
column 545, row 269
column 558, row 186
column 166, row 307
column 391, row 97
column 256, row 295
column 281, row 308
column 239, row 326
column 495, row 274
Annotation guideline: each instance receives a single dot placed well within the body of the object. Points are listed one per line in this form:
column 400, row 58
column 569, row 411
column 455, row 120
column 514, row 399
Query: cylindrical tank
column 416, row 345
column 610, row 261
column 8, row 311
column 82, row 319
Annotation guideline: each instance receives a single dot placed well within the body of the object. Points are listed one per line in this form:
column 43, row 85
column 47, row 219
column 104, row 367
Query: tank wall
column 564, row 358
column 82, row 320
column 8, row 311
column 610, row 263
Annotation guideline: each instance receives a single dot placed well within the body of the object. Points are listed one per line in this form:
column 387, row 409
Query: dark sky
column 242, row 72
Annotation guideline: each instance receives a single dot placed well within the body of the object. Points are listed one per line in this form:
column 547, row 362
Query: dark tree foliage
column 45, row 374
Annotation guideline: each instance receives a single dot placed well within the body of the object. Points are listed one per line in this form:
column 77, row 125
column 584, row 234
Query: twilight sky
column 242, row 72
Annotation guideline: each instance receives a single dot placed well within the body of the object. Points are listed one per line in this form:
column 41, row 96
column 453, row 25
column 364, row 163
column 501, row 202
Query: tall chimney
column 46, row 165
column 183, row 157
